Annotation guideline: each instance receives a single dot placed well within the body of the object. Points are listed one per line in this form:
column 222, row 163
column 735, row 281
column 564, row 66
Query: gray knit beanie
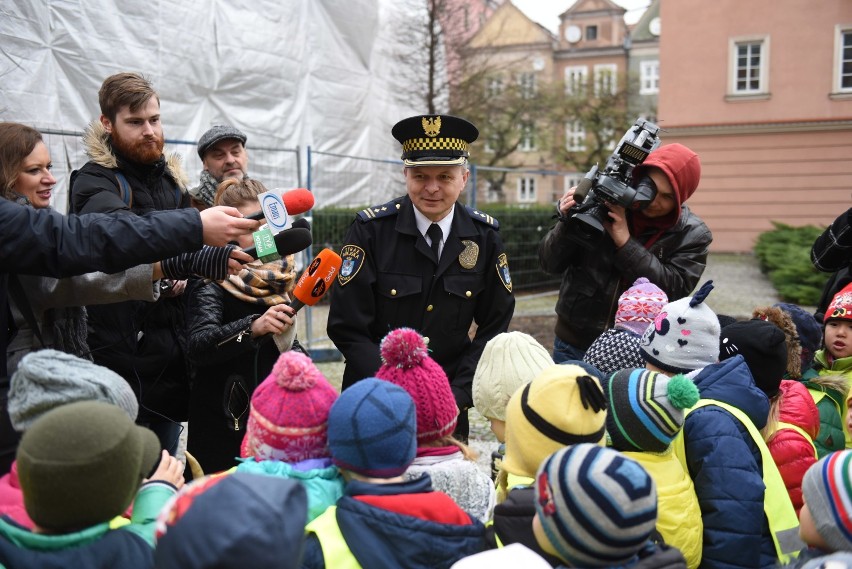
column 47, row 379
column 509, row 361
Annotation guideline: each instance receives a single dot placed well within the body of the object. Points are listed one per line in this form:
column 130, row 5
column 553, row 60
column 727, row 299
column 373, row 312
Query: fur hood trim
column 99, row 151
column 794, row 348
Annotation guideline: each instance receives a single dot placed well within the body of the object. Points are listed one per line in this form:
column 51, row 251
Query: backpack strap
column 124, row 188
column 19, row 298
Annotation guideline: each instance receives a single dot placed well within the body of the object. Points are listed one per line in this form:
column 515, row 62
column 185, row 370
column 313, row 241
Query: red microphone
column 317, row 279
column 298, row 200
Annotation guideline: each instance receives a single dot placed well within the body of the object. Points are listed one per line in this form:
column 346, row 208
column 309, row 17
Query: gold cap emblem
column 432, row 127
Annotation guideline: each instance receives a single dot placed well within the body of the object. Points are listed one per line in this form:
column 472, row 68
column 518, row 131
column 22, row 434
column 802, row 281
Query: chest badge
column 353, row 258
column 503, row 271
column 468, row 257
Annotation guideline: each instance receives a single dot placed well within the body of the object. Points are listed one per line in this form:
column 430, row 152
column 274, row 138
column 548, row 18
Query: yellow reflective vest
column 334, row 549
column 783, row 523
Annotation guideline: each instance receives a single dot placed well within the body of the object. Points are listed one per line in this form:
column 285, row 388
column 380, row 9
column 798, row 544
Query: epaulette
column 482, row 217
column 379, row 211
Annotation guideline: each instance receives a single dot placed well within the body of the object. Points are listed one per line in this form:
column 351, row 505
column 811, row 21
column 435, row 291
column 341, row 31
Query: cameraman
column 666, row 243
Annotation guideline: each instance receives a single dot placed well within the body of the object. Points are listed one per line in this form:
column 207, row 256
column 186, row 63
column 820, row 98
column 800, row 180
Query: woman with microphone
column 236, row 330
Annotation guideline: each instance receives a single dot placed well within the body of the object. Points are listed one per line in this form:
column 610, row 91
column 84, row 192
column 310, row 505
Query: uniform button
column 429, row 308
column 393, row 292
column 468, row 294
column 426, row 340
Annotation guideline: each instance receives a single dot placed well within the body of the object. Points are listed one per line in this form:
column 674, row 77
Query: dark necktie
column 434, row 232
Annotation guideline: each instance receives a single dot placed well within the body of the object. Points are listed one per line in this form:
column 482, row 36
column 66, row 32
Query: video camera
column 586, row 219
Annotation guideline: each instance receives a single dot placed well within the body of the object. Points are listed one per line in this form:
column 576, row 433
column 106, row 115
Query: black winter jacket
column 593, row 279
column 141, row 341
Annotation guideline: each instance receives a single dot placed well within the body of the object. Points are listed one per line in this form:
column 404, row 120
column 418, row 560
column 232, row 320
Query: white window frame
column 576, row 79
column 527, row 84
column 526, row 189
column 649, row 77
column 569, row 181
column 494, row 86
column 610, row 72
column 575, row 137
column 733, row 63
column 839, row 31
column 527, row 143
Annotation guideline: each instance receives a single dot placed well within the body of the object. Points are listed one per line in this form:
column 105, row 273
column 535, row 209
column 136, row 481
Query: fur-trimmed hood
column 99, row 150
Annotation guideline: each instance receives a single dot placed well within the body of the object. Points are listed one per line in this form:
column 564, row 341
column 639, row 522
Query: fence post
column 473, row 181
column 309, row 323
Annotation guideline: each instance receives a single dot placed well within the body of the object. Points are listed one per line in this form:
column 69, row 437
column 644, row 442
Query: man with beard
column 223, row 153
column 128, row 172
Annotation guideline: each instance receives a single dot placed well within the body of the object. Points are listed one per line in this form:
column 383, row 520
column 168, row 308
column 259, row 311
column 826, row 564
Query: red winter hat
column 407, row 364
column 841, row 305
column 289, row 412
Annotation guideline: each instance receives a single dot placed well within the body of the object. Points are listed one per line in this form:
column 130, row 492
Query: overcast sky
column 546, row 12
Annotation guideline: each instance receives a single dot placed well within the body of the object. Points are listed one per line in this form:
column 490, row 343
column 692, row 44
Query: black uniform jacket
column 390, row 279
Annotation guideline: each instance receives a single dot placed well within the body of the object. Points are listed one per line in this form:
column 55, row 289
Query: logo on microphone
column 274, row 210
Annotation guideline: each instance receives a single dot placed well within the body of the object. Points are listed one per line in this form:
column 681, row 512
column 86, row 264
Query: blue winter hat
column 596, row 506
column 372, row 429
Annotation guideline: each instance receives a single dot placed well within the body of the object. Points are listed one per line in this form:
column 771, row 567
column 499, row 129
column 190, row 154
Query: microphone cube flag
column 274, row 210
column 317, row 279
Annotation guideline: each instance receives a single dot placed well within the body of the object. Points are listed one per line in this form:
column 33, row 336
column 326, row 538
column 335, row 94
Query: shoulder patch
column 482, row 217
column 379, row 211
column 353, row 259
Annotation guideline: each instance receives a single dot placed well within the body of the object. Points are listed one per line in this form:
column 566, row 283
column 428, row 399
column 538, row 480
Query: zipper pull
column 236, row 424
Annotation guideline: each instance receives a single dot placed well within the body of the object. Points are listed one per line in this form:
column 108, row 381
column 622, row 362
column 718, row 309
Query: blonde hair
column 451, row 441
column 771, row 427
column 234, row 193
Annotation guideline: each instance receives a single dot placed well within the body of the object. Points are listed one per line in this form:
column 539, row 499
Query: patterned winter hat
column 841, row 305
column 645, row 409
column 288, row 420
column 406, row 363
column 597, row 507
column 764, row 347
column 685, row 335
column 808, row 329
column 827, row 490
column 372, row 429
column 562, row 406
column 509, row 360
column 614, row 350
column 48, row 378
column 639, row 305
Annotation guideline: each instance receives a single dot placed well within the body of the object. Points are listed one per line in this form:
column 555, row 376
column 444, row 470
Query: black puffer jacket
column 141, row 341
column 228, row 366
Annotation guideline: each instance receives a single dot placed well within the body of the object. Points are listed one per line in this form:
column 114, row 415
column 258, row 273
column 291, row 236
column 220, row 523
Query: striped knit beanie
column 597, row 507
column 406, row 363
column 827, row 490
column 639, row 305
column 645, row 409
column 562, row 406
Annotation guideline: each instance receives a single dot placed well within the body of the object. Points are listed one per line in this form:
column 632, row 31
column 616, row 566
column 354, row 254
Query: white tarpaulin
column 289, row 73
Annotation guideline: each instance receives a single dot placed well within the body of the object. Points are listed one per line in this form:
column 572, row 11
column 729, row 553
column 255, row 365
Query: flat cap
column 217, row 133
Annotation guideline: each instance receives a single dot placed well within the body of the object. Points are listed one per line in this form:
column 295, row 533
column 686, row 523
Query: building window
column 591, row 33
column 649, row 77
column 526, row 84
column 575, row 137
column 526, row 190
column 494, row 86
column 527, row 143
column 606, row 79
column 843, row 60
column 749, row 66
column 570, row 181
column 575, row 80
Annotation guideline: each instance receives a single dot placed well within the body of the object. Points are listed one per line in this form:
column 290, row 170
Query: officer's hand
column 273, row 321
column 566, row 202
column 617, row 227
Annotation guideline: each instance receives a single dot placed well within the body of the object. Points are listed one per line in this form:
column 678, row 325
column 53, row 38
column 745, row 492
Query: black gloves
column 208, row 262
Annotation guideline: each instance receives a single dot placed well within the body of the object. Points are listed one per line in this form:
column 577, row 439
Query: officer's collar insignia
column 468, row 257
column 432, row 127
column 503, row 271
column 353, row 258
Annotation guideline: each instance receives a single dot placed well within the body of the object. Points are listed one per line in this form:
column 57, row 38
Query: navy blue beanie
column 372, row 429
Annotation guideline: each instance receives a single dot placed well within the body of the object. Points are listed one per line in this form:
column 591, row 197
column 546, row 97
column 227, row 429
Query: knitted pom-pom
column 701, row 294
column 403, row 348
column 640, row 281
column 682, row 392
column 294, row 371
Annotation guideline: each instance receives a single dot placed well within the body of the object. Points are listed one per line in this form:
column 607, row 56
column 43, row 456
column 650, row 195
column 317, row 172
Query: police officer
column 425, row 262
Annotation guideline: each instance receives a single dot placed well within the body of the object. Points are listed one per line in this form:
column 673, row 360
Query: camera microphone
column 585, row 185
column 317, row 279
